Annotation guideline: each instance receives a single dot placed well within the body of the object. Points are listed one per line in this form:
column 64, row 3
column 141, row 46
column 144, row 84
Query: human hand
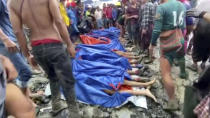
column 144, row 31
column 151, row 48
column 71, row 50
column 9, row 68
column 32, row 62
column 195, row 13
column 10, row 45
column 135, row 16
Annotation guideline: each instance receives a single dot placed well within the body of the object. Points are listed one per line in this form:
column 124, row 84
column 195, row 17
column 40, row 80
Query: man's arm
column 198, row 14
column 10, row 45
column 207, row 17
column 54, row 10
column 18, row 30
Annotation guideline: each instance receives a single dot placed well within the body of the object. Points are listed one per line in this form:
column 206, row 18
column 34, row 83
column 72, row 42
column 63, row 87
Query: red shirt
column 132, row 11
column 109, row 13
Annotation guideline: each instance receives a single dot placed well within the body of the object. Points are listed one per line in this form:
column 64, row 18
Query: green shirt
column 169, row 16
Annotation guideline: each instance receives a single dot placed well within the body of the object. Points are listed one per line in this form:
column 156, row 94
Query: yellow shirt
column 64, row 14
column 87, row 13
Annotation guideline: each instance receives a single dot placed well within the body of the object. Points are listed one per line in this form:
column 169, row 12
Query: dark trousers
column 55, row 61
column 146, row 38
column 133, row 32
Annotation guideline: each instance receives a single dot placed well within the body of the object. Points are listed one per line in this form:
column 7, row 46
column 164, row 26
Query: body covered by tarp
column 111, row 33
column 101, row 53
column 93, row 77
column 97, row 68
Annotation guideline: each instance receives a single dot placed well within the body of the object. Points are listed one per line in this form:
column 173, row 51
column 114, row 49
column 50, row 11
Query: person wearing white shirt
column 98, row 16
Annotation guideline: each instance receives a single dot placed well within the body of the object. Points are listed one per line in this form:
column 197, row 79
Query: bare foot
column 150, row 82
column 149, row 94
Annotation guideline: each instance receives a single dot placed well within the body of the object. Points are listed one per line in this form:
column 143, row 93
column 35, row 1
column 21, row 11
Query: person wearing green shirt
column 169, row 23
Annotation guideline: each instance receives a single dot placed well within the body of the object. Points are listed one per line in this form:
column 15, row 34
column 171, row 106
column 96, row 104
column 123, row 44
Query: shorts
column 174, row 54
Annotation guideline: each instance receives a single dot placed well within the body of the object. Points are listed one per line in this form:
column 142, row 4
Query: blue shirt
column 114, row 13
column 72, row 16
column 2, row 89
column 5, row 23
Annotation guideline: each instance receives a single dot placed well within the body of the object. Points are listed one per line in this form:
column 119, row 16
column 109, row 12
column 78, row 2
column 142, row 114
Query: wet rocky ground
column 154, row 110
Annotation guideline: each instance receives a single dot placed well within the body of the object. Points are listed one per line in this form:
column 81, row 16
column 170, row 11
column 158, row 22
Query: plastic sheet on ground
column 97, row 68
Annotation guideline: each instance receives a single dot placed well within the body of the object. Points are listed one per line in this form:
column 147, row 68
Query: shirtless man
column 48, row 31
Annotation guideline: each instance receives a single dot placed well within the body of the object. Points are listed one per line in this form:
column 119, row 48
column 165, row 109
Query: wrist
column 5, row 39
column 27, row 55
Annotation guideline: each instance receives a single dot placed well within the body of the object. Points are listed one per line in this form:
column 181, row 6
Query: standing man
column 132, row 13
column 147, row 26
column 105, row 20
column 73, row 30
column 10, row 48
column 169, row 22
column 109, row 15
column 48, row 32
column 114, row 15
column 98, row 16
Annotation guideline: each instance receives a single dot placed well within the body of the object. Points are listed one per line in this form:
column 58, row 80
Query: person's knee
column 17, row 104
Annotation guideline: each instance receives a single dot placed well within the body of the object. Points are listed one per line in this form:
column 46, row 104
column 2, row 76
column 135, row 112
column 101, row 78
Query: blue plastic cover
column 96, row 68
column 111, row 33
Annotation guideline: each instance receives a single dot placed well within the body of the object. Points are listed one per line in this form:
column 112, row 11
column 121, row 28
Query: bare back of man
column 44, row 20
column 47, row 32
column 37, row 16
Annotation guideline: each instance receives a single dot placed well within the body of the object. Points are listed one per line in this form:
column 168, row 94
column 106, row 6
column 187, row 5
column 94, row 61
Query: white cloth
column 98, row 14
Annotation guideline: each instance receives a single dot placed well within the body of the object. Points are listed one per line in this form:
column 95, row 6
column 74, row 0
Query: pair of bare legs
column 127, row 55
column 135, row 61
column 136, row 92
column 133, row 72
column 17, row 104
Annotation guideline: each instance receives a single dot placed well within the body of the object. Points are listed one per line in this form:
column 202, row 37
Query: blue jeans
column 133, row 31
column 99, row 23
column 24, row 72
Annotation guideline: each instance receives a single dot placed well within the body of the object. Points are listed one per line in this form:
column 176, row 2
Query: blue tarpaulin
column 96, row 68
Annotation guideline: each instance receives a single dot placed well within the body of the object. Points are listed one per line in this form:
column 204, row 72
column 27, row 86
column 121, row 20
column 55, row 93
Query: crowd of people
column 56, row 25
